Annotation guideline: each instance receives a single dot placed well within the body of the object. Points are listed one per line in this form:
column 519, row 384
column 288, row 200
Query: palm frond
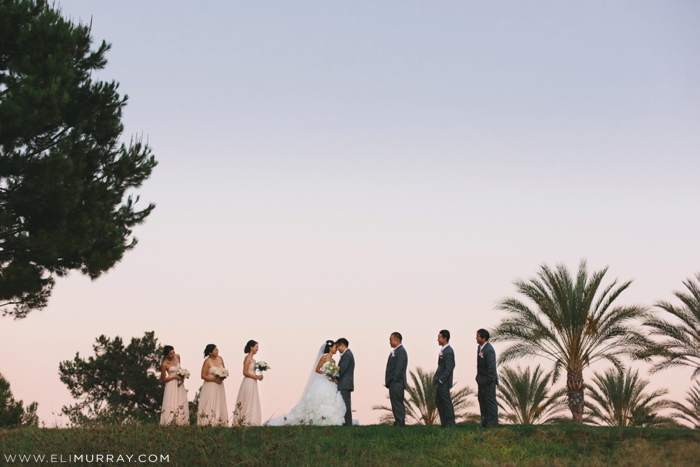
column 420, row 402
column 679, row 344
column 690, row 413
column 525, row 397
column 572, row 322
column 618, row 399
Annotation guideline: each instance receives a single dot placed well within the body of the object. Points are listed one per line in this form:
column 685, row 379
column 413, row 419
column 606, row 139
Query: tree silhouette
column 119, row 384
column 618, row 400
column 525, row 397
column 65, row 177
column 573, row 324
column 691, row 412
column 13, row 414
column 680, row 340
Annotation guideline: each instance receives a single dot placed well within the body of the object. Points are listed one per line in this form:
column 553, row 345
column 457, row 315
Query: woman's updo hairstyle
column 251, row 343
column 209, row 349
column 329, row 344
column 167, row 349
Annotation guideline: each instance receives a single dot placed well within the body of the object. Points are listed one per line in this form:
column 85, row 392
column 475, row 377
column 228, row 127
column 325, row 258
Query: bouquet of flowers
column 262, row 366
column 332, row 371
column 221, row 373
column 183, row 373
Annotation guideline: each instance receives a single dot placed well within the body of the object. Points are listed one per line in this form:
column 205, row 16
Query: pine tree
column 64, row 175
column 119, row 384
column 13, row 414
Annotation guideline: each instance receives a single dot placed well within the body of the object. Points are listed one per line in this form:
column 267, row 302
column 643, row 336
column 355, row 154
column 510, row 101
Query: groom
column 346, row 381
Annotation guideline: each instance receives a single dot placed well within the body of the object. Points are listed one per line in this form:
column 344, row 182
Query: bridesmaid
column 176, row 409
column 248, row 403
column 212, row 397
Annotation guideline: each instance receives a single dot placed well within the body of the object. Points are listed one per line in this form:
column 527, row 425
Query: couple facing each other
column 326, row 400
column 486, row 379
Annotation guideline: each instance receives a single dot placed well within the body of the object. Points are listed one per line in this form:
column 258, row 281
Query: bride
column 321, row 403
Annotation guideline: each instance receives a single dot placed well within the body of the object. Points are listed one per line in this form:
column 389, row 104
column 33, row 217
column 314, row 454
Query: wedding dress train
column 321, row 405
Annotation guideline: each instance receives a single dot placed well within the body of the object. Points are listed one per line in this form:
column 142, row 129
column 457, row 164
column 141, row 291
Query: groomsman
column 443, row 380
column 486, row 380
column 346, row 380
column 395, row 378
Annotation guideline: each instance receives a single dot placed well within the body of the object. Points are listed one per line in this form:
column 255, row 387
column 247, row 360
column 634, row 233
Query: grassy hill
column 370, row 445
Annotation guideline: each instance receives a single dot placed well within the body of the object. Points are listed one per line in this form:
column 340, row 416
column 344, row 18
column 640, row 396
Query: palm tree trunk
column 574, row 389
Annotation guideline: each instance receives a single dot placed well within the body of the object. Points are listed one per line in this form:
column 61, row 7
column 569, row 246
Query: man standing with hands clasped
column 443, row 380
column 487, row 380
column 395, row 378
column 346, row 380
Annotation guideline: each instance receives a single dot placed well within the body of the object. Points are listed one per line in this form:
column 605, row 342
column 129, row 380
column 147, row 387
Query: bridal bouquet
column 262, row 366
column 221, row 373
column 332, row 371
column 183, row 373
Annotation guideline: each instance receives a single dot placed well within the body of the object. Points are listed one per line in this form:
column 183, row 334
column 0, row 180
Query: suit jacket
column 446, row 367
column 396, row 367
column 346, row 380
column 486, row 372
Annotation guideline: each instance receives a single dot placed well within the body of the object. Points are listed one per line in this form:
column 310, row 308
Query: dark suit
column 487, row 380
column 443, row 380
column 346, row 382
column 395, row 381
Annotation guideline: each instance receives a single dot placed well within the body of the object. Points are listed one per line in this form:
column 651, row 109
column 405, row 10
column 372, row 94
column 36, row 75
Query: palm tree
column 619, row 401
column 526, row 398
column 680, row 345
column 420, row 402
column 690, row 414
column 573, row 325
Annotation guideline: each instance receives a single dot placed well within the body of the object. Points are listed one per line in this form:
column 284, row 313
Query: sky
column 351, row 169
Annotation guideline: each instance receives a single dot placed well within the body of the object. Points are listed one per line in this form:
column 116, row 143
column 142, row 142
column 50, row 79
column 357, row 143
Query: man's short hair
column 397, row 335
column 446, row 334
column 483, row 333
column 343, row 341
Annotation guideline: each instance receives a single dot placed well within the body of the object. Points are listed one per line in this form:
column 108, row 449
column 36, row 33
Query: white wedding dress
column 321, row 404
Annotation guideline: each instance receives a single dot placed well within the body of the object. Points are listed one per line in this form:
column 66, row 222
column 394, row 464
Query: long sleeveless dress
column 247, row 411
column 176, row 410
column 212, row 403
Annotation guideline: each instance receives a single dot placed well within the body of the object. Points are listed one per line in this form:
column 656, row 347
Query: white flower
column 332, row 371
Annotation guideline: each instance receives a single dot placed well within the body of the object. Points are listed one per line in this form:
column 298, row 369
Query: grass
column 370, row 445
